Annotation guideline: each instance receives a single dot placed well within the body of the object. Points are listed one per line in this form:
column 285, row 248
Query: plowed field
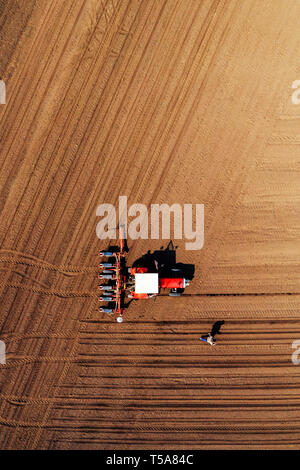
column 164, row 101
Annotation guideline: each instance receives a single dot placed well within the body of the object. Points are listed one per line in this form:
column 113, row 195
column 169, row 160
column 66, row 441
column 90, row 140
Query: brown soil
column 163, row 101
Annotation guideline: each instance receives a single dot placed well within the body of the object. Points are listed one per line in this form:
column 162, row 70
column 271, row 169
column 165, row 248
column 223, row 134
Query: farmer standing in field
column 210, row 337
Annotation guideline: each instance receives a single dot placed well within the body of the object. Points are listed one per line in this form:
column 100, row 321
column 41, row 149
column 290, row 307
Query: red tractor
column 133, row 282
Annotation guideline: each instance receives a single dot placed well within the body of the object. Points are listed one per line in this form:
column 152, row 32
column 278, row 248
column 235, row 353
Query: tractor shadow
column 163, row 261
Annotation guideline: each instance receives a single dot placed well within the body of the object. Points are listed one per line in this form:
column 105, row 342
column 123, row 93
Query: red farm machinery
column 121, row 282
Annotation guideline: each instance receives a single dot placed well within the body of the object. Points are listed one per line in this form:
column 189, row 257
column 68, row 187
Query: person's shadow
column 216, row 328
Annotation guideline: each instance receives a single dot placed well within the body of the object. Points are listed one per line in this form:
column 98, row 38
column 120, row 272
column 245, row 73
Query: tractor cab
column 144, row 284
